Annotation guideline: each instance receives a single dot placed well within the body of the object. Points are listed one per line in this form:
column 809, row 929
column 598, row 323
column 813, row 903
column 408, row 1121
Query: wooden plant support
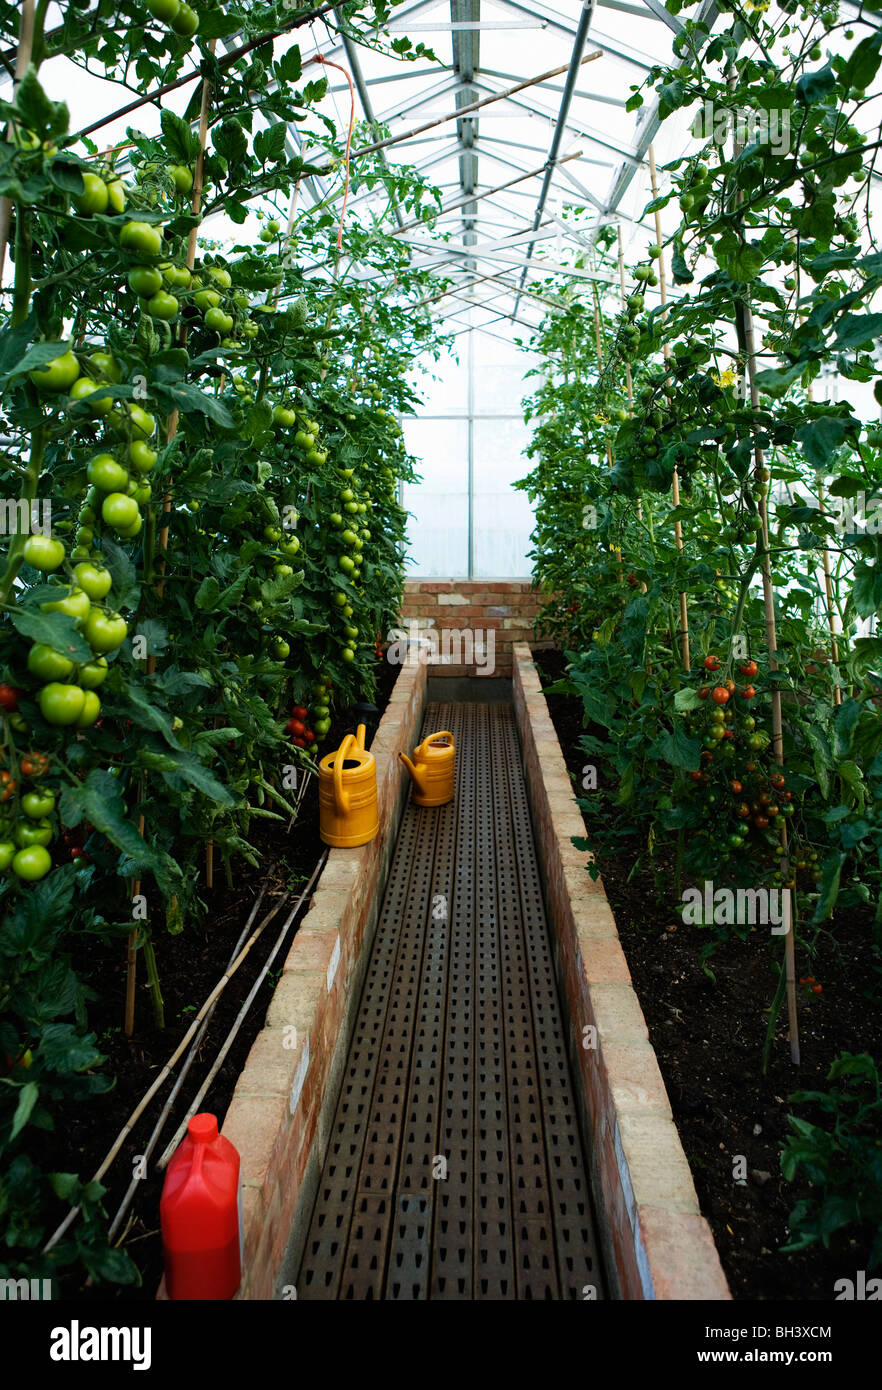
column 675, row 481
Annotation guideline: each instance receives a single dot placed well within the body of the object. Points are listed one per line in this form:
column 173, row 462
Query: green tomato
column 47, row 664
column 182, row 178
column 351, row 633
column 346, row 563
column 218, row 320
column 59, row 374
column 206, row 299
column 285, row 417
column 353, row 508
column 165, row 10
column 272, row 533
column 93, row 673
column 348, row 654
column 84, row 537
column 281, row 648
column 61, row 704
column 347, row 495
column 91, row 710
column 94, row 196
column 32, row 863
column 142, row 239
column 39, row 834
column 335, row 519
column 93, row 581
column 145, row 280
column 304, row 440
column 347, row 610
column 37, row 804
column 282, row 570
column 84, row 388
column 177, row 276
column 44, row 553
column 119, row 511
column 116, row 195
column 143, row 424
column 220, row 275
column 340, row 600
column 106, row 365
column 129, row 532
column 75, row 603
column 142, row 493
column 141, row 456
column 7, row 854
column 106, row 474
column 163, row 306
column 349, row 536
column 290, row 547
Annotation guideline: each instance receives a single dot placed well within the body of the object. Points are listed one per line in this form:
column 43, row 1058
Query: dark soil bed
column 708, row 1038
column 189, row 966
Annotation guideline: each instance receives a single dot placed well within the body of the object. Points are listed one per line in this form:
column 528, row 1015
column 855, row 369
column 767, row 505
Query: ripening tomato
column 34, row 765
column 8, row 785
column 720, row 695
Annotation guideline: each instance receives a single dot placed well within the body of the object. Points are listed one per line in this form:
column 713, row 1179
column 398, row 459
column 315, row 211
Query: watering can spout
column 415, row 772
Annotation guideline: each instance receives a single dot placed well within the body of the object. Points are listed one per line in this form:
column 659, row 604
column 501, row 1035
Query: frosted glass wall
column 466, row 518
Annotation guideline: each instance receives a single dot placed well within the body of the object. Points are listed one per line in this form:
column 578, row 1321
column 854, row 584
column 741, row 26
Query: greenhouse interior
column 440, row 673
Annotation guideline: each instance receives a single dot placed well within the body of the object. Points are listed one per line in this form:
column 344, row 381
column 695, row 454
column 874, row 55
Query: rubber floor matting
column 455, row 1168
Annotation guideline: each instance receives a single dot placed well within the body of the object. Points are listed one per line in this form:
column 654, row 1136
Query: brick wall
column 656, row 1242
column 283, row 1106
column 506, row 607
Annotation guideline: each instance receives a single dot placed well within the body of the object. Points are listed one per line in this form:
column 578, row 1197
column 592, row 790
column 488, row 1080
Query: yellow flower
column 726, row 378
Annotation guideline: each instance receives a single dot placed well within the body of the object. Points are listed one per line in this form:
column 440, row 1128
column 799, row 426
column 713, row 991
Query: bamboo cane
column 831, row 607
column 22, row 61
column 675, row 481
column 166, row 1070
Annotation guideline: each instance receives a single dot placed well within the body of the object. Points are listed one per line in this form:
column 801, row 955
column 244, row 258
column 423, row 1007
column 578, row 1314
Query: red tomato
column 299, row 742
column 696, row 776
column 720, row 695
column 761, row 822
column 747, row 692
column 9, row 698
column 299, row 712
column 736, row 786
column 308, row 736
column 817, row 989
column 296, row 727
column 749, row 668
column 704, row 692
column 711, row 663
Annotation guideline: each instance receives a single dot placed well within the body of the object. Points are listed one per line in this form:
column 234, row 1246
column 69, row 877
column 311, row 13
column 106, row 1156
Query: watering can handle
column 360, row 733
column 445, row 733
column 341, row 800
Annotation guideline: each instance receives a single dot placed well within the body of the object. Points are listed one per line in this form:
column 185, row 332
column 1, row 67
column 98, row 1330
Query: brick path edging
column 657, row 1244
column 283, row 1106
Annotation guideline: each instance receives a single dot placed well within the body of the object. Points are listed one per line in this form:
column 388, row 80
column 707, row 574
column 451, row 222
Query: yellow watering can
column 432, row 771
column 348, row 794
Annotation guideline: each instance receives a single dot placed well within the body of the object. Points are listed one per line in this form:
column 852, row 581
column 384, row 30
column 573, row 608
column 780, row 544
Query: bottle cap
column 202, row 1129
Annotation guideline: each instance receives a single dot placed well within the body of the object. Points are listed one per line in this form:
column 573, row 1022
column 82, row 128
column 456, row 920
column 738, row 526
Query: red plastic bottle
column 199, row 1215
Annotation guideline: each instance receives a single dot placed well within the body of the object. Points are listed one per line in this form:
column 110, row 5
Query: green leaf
column 38, row 114
column 181, row 141
column 812, row 87
column 207, row 594
column 99, row 800
column 857, row 331
column 678, row 749
column 57, row 630
column 821, row 437
column 27, row 1099
column 183, row 765
column 188, row 398
column 866, row 591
